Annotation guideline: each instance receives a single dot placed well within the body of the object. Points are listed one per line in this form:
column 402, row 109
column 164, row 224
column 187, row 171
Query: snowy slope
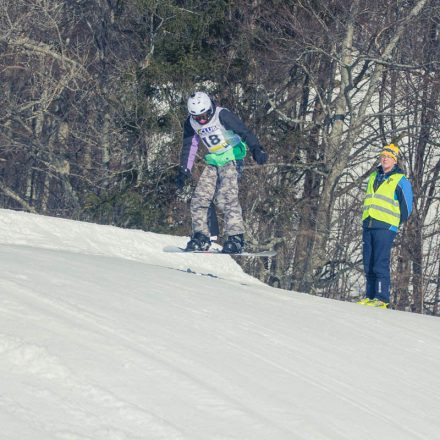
column 102, row 336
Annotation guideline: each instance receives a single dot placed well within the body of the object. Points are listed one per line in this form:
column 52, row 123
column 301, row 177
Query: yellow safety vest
column 381, row 204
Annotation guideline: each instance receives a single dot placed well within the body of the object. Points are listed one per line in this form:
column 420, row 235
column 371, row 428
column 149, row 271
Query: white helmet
column 199, row 103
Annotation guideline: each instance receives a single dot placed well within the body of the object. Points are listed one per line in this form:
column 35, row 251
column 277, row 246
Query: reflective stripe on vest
column 381, row 204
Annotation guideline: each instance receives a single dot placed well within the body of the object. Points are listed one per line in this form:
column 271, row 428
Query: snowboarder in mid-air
column 226, row 138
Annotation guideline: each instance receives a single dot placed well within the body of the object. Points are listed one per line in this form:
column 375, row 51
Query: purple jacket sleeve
column 189, row 146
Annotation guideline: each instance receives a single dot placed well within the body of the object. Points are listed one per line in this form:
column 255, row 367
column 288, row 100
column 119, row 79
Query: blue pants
column 376, row 252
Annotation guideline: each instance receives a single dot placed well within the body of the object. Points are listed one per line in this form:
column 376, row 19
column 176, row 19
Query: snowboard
column 179, row 250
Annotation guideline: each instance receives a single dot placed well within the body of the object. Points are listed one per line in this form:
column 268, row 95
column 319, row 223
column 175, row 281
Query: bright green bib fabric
column 235, row 153
column 381, row 204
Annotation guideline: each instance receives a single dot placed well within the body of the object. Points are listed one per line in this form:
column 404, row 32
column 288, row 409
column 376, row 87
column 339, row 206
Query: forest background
column 93, row 99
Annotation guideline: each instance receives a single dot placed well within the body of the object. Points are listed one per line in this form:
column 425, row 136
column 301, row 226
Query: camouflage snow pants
column 221, row 185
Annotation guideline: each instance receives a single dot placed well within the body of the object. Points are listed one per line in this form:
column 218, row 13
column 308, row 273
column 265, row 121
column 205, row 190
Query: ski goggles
column 203, row 118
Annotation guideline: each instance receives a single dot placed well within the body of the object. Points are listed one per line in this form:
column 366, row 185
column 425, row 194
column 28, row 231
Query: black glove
column 182, row 177
column 260, row 156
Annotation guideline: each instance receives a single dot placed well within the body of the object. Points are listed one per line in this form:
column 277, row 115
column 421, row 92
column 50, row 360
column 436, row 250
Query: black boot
column 234, row 244
column 198, row 242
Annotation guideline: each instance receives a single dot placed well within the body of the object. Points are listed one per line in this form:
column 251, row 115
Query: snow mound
column 20, row 228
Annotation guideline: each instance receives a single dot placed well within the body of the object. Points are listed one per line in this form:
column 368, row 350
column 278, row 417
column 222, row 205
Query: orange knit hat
column 390, row 150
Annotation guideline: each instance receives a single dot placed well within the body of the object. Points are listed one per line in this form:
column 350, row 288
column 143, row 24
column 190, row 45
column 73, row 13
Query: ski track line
column 83, row 314
column 39, row 362
column 49, row 430
column 333, row 390
column 340, row 384
column 12, row 407
column 128, row 337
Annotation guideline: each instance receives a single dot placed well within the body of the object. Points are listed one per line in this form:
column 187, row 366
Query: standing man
column 387, row 204
column 226, row 138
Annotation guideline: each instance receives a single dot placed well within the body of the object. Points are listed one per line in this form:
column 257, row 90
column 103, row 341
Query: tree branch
column 13, row 195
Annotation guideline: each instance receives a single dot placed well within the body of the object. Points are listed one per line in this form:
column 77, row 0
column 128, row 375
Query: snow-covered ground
column 103, row 336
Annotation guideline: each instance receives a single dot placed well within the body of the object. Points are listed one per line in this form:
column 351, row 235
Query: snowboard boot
column 234, row 244
column 378, row 303
column 373, row 303
column 198, row 242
